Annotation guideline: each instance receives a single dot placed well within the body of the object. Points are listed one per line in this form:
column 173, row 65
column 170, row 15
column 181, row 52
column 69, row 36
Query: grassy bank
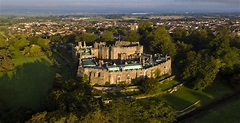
column 227, row 113
column 27, row 84
column 185, row 97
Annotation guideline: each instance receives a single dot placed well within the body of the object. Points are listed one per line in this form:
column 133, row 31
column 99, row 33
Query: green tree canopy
column 56, row 38
column 179, row 34
column 5, row 60
column 151, row 86
column 199, row 39
column 160, row 42
column 19, row 42
column 144, row 27
column 107, row 36
column 131, row 36
column 200, row 69
column 87, row 37
column 5, row 56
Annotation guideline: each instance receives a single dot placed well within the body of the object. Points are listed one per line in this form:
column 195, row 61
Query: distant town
column 66, row 25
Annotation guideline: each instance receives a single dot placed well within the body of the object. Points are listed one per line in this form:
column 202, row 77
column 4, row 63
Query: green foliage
column 68, row 38
column 33, row 50
column 43, row 43
column 5, row 56
column 97, row 116
column 235, row 42
column 56, row 39
column 131, row 36
column 160, row 42
column 36, row 50
column 3, row 42
column 19, row 42
column 199, row 39
column 107, row 36
column 119, row 111
column 151, row 86
column 183, row 47
column 200, row 69
column 5, row 60
column 113, row 30
column 17, row 114
column 179, row 34
column 53, row 117
column 88, row 37
column 230, row 60
column 157, row 73
column 145, row 27
column 235, row 81
column 159, row 113
column 85, row 78
column 38, row 118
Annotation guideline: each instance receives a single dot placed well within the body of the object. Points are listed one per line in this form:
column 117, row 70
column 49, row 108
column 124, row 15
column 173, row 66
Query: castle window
column 165, row 67
column 99, row 74
column 118, row 77
column 128, row 76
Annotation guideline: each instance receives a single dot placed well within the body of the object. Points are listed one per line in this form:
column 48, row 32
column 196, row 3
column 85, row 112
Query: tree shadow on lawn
column 175, row 102
column 27, row 85
column 184, row 98
column 202, row 96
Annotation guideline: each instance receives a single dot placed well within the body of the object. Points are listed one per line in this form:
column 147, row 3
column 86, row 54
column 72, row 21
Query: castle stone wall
column 102, row 76
column 115, row 51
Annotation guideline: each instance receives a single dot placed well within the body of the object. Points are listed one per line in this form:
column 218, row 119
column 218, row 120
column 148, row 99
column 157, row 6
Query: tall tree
column 131, row 36
column 19, row 42
column 5, row 56
column 87, row 37
column 145, row 27
column 160, row 42
column 157, row 112
column 199, row 39
column 97, row 116
column 200, row 69
column 107, row 36
column 179, row 34
column 56, row 39
column 151, row 86
column 120, row 111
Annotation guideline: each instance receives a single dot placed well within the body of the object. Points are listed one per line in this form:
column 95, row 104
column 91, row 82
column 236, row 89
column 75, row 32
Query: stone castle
column 120, row 63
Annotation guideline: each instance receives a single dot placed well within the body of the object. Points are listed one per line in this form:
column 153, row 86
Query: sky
column 121, row 5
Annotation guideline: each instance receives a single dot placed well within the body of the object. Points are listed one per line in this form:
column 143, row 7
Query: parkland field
column 27, row 84
column 228, row 113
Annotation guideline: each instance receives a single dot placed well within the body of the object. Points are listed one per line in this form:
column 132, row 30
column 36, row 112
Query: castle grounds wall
column 102, row 76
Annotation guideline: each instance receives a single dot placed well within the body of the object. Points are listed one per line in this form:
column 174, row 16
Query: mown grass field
column 227, row 114
column 27, row 84
column 185, row 97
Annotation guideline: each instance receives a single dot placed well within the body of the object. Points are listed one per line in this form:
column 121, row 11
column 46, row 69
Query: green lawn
column 27, row 84
column 226, row 114
column 185, row 97
column 169, row 84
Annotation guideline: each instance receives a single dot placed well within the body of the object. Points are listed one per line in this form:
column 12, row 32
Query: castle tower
column 85, row 44
column 80, row 44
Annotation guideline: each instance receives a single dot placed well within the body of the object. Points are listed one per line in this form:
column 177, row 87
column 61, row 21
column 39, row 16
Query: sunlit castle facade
column 120, row 63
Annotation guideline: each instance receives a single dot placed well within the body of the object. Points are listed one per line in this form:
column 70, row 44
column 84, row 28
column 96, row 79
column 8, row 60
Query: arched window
column 128, row 76
column 118, row 77
column 99, row 74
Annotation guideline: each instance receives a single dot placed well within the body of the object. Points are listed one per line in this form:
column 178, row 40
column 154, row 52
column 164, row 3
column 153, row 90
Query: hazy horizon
column 117, row 6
